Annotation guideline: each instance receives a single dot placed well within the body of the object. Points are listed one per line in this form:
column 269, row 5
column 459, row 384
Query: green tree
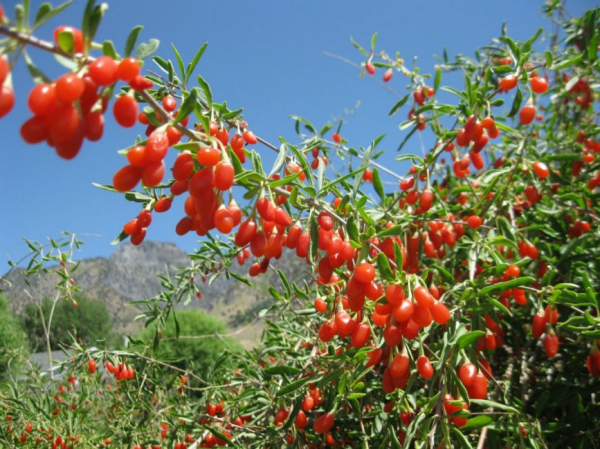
column 201, row 340
column 13, row 339
column 88, row 322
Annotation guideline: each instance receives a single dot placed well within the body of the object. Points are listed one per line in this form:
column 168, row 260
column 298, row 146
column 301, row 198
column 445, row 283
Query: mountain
column 129, row 274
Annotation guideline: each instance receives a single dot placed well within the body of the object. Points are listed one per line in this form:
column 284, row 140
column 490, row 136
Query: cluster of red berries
column 122, row 371
column 387, row 75
column 71, row 109
column 204, row 174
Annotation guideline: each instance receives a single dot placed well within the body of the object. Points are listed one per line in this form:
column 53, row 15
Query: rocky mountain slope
column 130, row 274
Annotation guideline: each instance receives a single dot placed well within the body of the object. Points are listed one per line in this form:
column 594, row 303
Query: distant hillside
column 130, row 274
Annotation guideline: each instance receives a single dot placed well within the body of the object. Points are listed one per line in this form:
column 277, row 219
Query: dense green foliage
column 13, row 340
column 459, row 310
column 203, row 341
column 89, row 322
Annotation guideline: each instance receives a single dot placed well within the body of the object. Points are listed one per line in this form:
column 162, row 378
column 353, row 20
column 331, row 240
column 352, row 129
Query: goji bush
column 458, row 309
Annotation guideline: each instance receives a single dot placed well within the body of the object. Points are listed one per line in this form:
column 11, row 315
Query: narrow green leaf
column 438, row 79
column 132, row 39
column 292, row 386
column 398, row 105
column 358, row 47
column 192, row 65
column 516, row 106
column 491, row 404
column 377, row 184
column 146, row 49
column 568, row 62
column 188, row 105
column 469, row 338
column 179, row 61
column 281, row 369
column 206, row 89
column 384, row 267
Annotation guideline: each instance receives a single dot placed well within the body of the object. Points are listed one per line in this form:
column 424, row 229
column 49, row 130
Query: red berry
column 4, row 69
column 169, row 103
column 474, row 222
column 513, row 271
column 42, row 99
column 224, row 175
column 69, row 88
column 388, row 75
column 538, row 84
column 508, row 82
column 527, row 114
column 424, row 367
column 364, row 272
column 467, row 373
column 103, row 71
column 208, row 156
column 324, row 423
column 551, row 345
column 125, row 111
column 249, row 137
column 370, row 68
column 34, row 130
column 157, row 146
column 128, row 69
column 423, row 297
column 7, row 100
column 127, row 178
column 541, row 170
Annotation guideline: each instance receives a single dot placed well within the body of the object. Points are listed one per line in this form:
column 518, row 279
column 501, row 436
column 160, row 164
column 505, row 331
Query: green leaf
column 46, row 12
column 306, row 123
column 292, row 386
column 38, row 76
column 94, row 18
column 568, row 62
column 281, row 158
column 320, row 174
column 478, row 422
column 491, row 404
column 352, row 230
column 145, row 50
column 503, row 286
column 303, row 163
column 358, row 47
column 469, row 338
column 516, row 103
column 188, row 105
column 206, row 89
column 464, row 443
column 384, row 267
column 122, row 236
column 398, row 105
column 66, row 41
column 438, row 79
column 373, row 42
column 179, row 61
column 281, row 369
column 192, row 65
column 364, row 163
column 377, row 185
column 314, row 237
column 108, row 49
column 132, row 39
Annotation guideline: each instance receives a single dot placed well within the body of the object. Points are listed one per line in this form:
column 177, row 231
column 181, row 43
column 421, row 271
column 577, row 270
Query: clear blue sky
column 265, row 56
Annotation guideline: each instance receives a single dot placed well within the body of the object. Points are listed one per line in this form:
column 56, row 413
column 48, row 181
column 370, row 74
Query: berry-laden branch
column 417, row 298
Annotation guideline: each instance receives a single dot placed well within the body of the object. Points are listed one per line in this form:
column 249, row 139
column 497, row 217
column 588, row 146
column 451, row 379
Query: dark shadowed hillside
column 129, row 274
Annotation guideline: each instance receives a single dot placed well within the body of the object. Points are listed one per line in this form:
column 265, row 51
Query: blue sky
column 265, row 56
